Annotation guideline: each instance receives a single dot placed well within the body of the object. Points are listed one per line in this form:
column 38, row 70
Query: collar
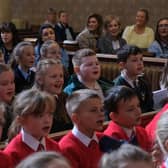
column 125, row 76
column 129, row 132
column 82, row 137
column 32, row 142
column 25, row 74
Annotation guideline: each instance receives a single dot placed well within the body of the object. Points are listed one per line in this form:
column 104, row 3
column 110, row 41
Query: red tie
column 93, row 144
column 40, row 147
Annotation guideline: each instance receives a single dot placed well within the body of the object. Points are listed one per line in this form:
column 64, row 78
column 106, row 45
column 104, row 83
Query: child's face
column 53, row 80
column 40, row 125
column 7, row 86
column 141, row 18
column 163, row 28
column 64, row 18
column 6, row 37
column 53, row 51
column 90, row 116
column 48, row 34
column 89, row 70
column 128, row 113
column 134, row 65
column 138, row 164
column 92, row 24
column 27, row 59
column 113, row 28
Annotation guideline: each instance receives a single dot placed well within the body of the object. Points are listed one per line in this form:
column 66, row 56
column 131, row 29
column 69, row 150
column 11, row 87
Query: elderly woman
column 139, row 34
column 89, row 36
column 111, row 41
column 160, row 46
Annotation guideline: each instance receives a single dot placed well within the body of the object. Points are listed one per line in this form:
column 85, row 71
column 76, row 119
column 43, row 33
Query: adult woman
column 89, row 36
column 111, row 41
column 139, row 34
column 160, row 46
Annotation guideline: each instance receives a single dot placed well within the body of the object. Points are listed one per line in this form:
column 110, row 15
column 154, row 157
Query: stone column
column 5, row 10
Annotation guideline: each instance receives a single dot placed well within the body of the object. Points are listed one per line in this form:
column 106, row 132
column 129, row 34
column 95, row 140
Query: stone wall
column 33, row 11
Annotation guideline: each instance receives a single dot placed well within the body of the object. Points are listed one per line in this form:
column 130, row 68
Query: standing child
column 7, row 91
column 87, row 69
column 127, row 156
column 130, row 60
column 50, row 78
column 122, row 105
column 45, row 160
column 81, row 145
column 24, row 56
column 34, row 111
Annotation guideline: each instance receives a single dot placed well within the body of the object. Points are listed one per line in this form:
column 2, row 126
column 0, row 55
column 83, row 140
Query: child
column 127, row 156
column 7, row 91
column 44, row 160
column 80, row 145
column 2, row 118
column 162, row 137
column 5, row 160
column 34, row 111
column 8, row 39
column 164, row 77
column 50, row 78
column 130, row 60
column 51, row 17
column 87, row 68
column 23, row 54
column 1, row 57
column 122, row 105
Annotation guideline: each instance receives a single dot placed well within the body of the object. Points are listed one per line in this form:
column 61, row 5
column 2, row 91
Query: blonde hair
column 110, row 18
column 42, row 67
column 32, row 101
column 4, row 68
column 77, row 58
column 76, row 98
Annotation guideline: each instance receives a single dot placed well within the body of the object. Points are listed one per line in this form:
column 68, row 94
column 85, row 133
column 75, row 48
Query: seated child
column 7, row 91
column 50, row 78
column 5, row 160
column 127, row 156
column 81, row 145
column 44, row 160
column 130, row 60
column 122, row 105
column 2, row 118
column 87, row 69
column 34, row 110
column 23, row 55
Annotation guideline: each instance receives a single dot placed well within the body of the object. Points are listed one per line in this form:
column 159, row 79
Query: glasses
column 163, row 26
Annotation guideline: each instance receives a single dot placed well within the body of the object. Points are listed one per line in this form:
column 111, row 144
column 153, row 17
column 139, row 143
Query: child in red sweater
column 81, row 145
column 5, row 161
column 123, row 107
column 34, row 111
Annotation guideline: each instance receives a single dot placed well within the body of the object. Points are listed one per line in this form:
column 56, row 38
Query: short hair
column 45, row 46
column 125, row 154
column 4, row 68
column 77, row 97
column 42, row 67
column 43, row 160
column 60, row 12
column 127, row 50
column 162, row 131
column 32, row 101
column 146, row 13
column 77, row 58
column 51, row 11
column 110, row 18
column 115, row 95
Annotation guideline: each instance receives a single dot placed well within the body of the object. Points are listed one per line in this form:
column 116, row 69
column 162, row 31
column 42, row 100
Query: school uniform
column 24, row 145
column 141, row 87
column 82, row 151
column 137, row 136
column 23, row 80
column 5, row 161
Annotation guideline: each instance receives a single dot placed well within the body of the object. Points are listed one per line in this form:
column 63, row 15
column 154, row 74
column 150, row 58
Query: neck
column 139, row 28
column 9, row 46
column 88, row 132
column 24, row 68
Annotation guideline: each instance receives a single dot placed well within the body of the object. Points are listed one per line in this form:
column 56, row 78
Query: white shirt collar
column 82, row 137
column 32, row 142
column 124, row 75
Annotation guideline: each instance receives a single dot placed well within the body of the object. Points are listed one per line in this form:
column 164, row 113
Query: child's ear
column 113, row 116
column 20, row 119
column 121, row 65
column 74, row 117
column 76, row 69
column 39, row 80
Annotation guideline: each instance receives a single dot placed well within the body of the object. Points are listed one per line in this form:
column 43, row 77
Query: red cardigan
column 116, row 131
column 78, row 154
column 18, row 150
column 151, row 127
column 5, row 161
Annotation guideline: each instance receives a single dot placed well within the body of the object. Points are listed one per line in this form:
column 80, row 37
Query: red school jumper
column 18, row 150
column 79, row 155
column 116, row 131
column 5, row 161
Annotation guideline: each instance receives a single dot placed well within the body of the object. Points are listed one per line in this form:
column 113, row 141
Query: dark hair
column 115, row 95
column 99, row 21
column 146, row 13
column 51, row 11
column 60, row 12
column 10, row 27
column 157, row 35
column 42, row 27
column 127, row 50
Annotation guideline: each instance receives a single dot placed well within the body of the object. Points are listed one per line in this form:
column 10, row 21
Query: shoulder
column 51, row 144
